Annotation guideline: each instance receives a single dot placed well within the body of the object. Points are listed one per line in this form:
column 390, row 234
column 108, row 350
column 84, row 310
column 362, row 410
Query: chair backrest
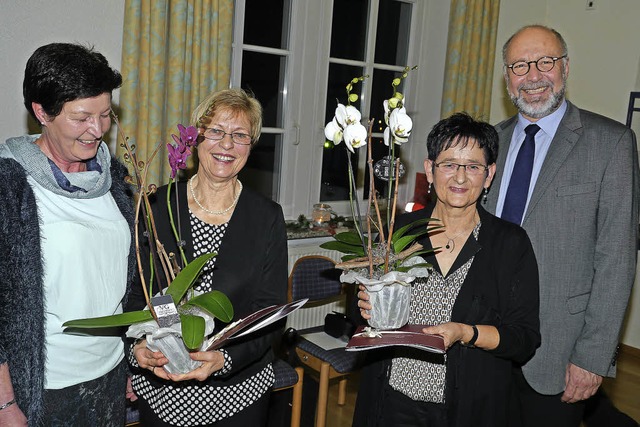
column 314, row 277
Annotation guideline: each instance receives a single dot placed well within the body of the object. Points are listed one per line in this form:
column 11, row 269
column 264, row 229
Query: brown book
column 253, row 322
column 408, row 336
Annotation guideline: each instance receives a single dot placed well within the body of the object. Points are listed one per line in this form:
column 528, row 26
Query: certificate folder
column 408, row 336
column 253, row 322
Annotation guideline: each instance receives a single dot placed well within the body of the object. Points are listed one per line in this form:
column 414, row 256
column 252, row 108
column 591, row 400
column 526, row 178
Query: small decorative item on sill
column 321, row 215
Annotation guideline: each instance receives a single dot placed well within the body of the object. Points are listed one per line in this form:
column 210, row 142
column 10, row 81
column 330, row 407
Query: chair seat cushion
column 341, row 360
column 285, row 375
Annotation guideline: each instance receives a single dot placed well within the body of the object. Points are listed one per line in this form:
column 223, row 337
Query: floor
column 624, row 391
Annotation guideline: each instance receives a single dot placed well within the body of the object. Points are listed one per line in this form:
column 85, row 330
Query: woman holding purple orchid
column 66, row 223
column 247, row 231
column 481, row 296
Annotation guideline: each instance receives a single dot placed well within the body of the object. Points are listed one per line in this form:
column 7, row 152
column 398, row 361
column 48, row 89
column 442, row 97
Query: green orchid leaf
column 424, row 251
column 351, row 238
column 123, row 319
column 400, row 244
column 187, row 277
column 334, row 245
column 192, row 330
column 420, row 265
column 215, row 303
column 346, row 258
column 403, row 230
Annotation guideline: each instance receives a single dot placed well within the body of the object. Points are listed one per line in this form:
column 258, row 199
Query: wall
column 27, row 24
column 604, row 54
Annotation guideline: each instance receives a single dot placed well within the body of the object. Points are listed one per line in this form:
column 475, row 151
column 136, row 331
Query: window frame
column 306, row 78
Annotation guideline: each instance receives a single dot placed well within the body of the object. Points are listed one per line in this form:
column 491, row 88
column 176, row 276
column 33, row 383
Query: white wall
column 26, row 25
column 604, row 67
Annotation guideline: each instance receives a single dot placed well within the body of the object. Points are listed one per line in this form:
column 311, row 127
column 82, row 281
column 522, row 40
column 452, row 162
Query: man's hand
column 580, row 384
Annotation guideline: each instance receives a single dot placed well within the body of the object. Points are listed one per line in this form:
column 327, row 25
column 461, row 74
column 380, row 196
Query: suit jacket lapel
column 505, row 131
column 563, row 142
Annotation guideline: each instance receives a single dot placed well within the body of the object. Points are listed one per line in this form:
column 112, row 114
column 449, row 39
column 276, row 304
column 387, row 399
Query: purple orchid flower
column 188, row 135
column 179, row 153
column 177, row 158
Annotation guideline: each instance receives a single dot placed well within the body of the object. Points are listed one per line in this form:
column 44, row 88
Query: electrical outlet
column 591, row 4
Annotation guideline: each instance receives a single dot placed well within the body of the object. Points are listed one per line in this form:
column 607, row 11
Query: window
column 297, row 56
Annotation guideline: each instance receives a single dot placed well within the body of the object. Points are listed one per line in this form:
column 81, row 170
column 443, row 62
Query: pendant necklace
column 451, row 241
column 222, row 212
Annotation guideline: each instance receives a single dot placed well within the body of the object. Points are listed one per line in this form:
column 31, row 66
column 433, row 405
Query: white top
column 78, row 236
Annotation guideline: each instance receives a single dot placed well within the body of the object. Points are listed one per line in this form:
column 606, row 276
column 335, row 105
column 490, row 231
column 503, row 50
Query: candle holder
column 321, row 215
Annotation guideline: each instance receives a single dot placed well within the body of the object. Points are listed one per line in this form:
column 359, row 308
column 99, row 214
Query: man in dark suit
column 571, row 181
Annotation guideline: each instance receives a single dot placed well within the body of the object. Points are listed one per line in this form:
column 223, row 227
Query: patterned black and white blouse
column 432, row 300
column 191, row 402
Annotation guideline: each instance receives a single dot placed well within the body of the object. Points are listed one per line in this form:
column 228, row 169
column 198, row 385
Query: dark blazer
column 583, row 223
column 250, row 268
column 501, row 289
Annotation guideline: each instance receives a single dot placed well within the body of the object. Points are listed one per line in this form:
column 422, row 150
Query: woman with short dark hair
column 66, row 222
column 481, row 296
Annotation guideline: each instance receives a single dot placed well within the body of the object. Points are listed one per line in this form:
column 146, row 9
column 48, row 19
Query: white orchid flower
column 333, row 132
column 355, row 136
column 348, row 115
column 386, row 135
column 387, row 111
column 400, row 125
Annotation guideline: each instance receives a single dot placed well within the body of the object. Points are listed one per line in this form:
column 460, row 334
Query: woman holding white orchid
column 66, row 223
column 482, row 297
column 247, row 231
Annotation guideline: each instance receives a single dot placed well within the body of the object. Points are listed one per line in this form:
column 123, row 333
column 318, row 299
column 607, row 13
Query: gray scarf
column 92, row 183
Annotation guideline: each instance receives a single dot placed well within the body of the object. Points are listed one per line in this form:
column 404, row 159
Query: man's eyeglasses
column 544, row 64
column 215, row 134
column 450, row 168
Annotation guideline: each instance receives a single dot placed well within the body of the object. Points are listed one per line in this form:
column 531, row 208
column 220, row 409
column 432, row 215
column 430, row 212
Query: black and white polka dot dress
column 192, row 402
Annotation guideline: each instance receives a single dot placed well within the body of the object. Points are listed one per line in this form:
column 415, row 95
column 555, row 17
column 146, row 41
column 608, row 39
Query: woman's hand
column 363, row 302
column 452, row 332
column 151, row 360
column 212, row 361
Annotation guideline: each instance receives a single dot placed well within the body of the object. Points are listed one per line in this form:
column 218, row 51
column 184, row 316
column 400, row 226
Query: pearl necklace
column 222, row 212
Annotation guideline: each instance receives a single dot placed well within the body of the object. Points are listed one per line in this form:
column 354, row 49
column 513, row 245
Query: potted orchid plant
column 385, row 267
column 195, row 312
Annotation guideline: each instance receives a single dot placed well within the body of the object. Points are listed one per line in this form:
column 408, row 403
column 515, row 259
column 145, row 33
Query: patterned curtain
column 473, row 25
column 174, row 53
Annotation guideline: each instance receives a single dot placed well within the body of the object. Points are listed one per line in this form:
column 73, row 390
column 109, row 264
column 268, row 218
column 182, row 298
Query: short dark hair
column 61, row 72
column 459, row 129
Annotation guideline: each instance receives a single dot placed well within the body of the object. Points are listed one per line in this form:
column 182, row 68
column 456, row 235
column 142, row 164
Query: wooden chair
column 287, row 377
column 315, row 277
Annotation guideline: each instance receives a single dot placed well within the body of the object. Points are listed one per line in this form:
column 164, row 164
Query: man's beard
column 537, row 110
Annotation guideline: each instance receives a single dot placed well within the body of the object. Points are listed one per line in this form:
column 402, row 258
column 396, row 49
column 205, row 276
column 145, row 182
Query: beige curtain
column 471, row 49
column 174, row 53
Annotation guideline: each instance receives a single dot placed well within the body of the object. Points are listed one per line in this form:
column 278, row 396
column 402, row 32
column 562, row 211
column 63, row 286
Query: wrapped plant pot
column 390, row 304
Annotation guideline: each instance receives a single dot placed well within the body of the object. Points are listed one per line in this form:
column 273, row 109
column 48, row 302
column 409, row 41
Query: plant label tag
column 166, row 310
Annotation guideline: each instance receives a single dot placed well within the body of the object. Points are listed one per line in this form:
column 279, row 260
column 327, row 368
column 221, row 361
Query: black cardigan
column 250, row 268
column 501, row 289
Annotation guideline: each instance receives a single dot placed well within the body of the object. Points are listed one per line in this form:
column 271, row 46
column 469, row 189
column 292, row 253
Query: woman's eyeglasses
column 450, row 168
column 215, row 134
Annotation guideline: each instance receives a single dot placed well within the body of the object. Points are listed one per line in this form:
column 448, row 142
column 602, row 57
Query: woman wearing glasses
column 482, row 297
column 247, row 230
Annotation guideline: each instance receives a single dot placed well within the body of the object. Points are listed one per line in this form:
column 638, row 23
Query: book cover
column 409, row 335
column 253, row 322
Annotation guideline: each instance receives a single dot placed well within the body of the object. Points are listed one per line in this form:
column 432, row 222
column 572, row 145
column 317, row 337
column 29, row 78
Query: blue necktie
column 516, row 198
